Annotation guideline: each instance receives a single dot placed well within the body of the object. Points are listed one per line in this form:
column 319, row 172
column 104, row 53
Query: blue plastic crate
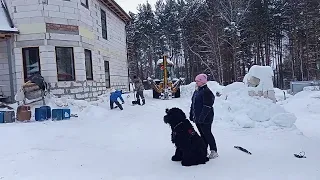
column 40, row 114
column 1, row 117
column 57, row 114
column 48, row 111
column 8, row 116
column 66, row 114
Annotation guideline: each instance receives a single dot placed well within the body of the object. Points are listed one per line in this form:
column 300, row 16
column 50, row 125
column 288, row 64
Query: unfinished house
column 78, row 46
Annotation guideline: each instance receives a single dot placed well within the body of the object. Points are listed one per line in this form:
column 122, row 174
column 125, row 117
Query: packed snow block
column 7, row 116
column 284, row 119
column 244, row 121
column 259, row 80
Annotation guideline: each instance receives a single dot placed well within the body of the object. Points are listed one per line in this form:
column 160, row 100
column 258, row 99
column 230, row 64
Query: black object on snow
column 242, row 149
column 300, row 155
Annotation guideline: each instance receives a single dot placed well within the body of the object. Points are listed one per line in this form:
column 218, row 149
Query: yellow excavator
column 166, row 87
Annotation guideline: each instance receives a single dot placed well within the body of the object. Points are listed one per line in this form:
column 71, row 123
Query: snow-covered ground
column 134, row 144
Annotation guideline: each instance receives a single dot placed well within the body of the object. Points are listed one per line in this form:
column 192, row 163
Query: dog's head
column 174, row 116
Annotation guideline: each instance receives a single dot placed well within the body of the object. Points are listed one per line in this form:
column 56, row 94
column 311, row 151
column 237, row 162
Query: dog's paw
column 176, row 158
column 185, row 163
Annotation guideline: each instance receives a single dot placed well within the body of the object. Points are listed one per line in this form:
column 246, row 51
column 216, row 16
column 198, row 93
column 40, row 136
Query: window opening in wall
column 31, row 62
column 104, row 24
column 88, row 64
column 107, row 73
column 65, row 64
column 85, row 3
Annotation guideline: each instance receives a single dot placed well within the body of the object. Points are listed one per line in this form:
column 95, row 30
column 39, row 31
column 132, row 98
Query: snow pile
column 236, row 106
column 306, row 101
column 281, row 95
column 311, row 88
column 264, row 74
column 187, row 90
column 306, row 106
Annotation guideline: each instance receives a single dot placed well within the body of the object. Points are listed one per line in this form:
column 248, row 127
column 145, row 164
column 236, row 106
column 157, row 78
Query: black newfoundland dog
column 190, row 148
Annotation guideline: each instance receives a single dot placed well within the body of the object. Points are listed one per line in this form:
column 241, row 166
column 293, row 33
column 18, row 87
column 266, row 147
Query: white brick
column 76, row 90
column 79, row 67
column 24, row 2
column 75, row 84
column 28, row 8
column 50, row 7
column 46, row 54
column 51, row 79
column 57, row 91
column 25, row 37
column 79, row 96
column 71, row 16
column 47, row 49
column 64, row 84
column 81, row 77
column 65, row 37
column 95, row 94
column 48, row 73
column 56, row 20
column 80, row 72
column 18, row 62
column 73, row 4
column 56, row 14
column 27, row 14
column 48, row 67
column 69, row 10
column 55, row 2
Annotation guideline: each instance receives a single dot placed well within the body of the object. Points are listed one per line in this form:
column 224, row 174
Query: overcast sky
column 131, row 5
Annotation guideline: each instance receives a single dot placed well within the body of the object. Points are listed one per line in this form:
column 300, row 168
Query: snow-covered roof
column 160, row 61
column 5, row 25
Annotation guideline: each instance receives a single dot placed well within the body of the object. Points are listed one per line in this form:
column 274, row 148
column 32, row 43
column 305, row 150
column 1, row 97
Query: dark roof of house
column 113, row 6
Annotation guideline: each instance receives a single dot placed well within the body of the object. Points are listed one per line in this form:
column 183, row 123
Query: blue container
column 66, row 114
column 1, row 117
column 48, row 111
column 40, row 114
column 57, row 114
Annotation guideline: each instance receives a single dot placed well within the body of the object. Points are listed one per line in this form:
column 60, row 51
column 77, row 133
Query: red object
column 162, row 67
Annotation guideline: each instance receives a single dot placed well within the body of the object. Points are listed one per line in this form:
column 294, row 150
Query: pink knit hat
column 202, row 78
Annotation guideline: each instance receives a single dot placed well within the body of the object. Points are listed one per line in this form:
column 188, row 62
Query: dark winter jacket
column 201, row 111
column 115, row 95
column 138, row 86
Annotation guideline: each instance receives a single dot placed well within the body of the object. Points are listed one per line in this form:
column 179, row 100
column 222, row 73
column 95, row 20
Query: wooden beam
column 4, row 35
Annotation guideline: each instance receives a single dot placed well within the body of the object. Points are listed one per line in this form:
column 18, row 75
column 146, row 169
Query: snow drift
column 236, row 106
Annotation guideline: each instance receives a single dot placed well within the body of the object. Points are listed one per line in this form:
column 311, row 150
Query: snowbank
column 306, row 106
column 311, row 88
column 281, row 95
column 250, row 111
column 265, row 74
column 187, row 90
column 236, row 106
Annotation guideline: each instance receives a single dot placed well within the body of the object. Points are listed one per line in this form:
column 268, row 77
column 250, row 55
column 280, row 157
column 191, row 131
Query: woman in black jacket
column 201, row 113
